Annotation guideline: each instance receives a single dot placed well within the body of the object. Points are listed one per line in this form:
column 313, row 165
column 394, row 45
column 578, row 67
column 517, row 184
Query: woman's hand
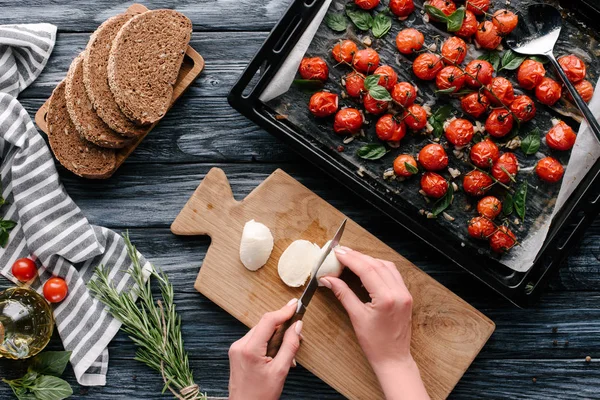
column 382, row 326
column 253, row 375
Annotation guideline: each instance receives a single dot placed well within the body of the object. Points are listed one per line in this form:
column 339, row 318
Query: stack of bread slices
column 116, row 89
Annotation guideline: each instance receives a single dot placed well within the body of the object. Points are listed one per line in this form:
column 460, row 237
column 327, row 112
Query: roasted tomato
column 502, row 240
column 426, row 66
column 373, row 106
column 499, row 123
column 459, row 132
column 548, row 91
column 573, row 66
column 484, row 154
column 402, row 8
column 366, row 60
column 478, row 7
column 434, row 185
column 433, row 157
column 489, row 207
column 355, row 84
column 487, row 35
column 469, row 25
column 404, row 93
column 367, row 4
column 409, row 40
column 585, row 90
column 530, row 74
column 481, row 70
column 344, row 51
column 454, row 50
column 549, row 170
column 561, row 137
column 506, row 163
column 347, row 120
column 415, row 117
column 400, row 165
column 523, row 108
column 477, row 183
column 506, row 21
column 387, row 76
column 390, row 129
column 481, row 228
column 447, row 7
column 323, row 104
column 450, row 77
column 500, row 91
column 475, row 104
column 314, row 68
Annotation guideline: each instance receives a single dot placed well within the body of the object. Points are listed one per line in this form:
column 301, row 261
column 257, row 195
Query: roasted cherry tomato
column 502, row 240
column 426, row 66
column 404, row 93
column 506, row 163
column 459, row 132
column 489, row 207
column 415, row 117
column 499, row 123
column 549, row 170
column 475, row 104
column 433, row 157
column 409, row 40
column 573, row 66
column 402, row 8
column 447, row 7
column 478, row 7
column 434, row 185
column 387, row 76
column 585, row 90
column 548, row 91
column 55, row 290
column 481, row 228
column 344, row 51
column 400, row 165
column 523, row 108
column 323, row 104
column 366, row 60
column 469, row 26
column 530, row 74
column 367, row 4
column 390, row 129
column 561, row 137
column 484, row 154
column 24, row 269
column 477, row 183
column 503, row 91
column 347, row 120
column 454, row 50
column 487, row 35
column 450, row 77
column 355, row 84
column 314, row 68
column 481, row 70
column 506, row 21
column 373, row 106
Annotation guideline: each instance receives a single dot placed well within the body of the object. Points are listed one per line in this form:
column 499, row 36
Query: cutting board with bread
column 135, row 66
column 447, row 332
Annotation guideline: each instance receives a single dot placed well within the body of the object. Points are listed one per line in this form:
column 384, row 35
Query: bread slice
column 95, row 77
column 144, row 62
column 82, row 114
column 70, row 149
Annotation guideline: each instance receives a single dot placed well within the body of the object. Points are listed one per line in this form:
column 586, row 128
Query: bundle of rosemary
column 154, row 326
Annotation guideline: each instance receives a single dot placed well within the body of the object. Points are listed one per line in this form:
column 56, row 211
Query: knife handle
column 277, row 338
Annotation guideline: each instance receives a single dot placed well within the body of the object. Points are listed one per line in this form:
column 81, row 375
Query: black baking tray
column 521, row 288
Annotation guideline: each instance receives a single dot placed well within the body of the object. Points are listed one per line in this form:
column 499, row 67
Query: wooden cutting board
column 447, row 332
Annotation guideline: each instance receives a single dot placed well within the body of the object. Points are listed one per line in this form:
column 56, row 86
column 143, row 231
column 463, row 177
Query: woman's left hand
column 253, row 375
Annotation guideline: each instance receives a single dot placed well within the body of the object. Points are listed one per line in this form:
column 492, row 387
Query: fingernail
column 294, row 363
column 346, row 249
column 325, row 283
column 340, row 251
column 298, row 327
column 292, row 301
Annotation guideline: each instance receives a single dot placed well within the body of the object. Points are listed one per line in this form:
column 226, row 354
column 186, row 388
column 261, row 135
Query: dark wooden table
column 534, row 353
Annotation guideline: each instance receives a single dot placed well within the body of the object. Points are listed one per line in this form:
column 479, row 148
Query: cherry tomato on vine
column 530, row 74
column 561, row 137
column 314, row 68
column 507, row 163
column 409, row 40
column 55, row 290
column 390, row 129
column 549, row 170
column 445, row 6
column 355, row 84
column 402, row 8
column 478, row 7
column 484, row 154
column 475, row 104
column 487, row 35
column 499, row 123
column 404, row 93
column 469, row 26
column 502, row 89
column 366, row 60
column 523, row 108
column 506, row 21
column 367, row 4
column 400, row 165
column 548, row 91
column 323, row 104
column 480, row 69
column 450, row 77
column 502, row 240
column 24, row 269
column 387, row 76
column 415, row 117
column 344, row 51
column 348, row 120
column 573, row 66
column 481, row 228
column 490, row 207
column 433, row 157
column 373, row 106
column 477, row 183
column 585, row 90
column 426, row 66
column 454, row 50
column 459, row 132
column 434, row 185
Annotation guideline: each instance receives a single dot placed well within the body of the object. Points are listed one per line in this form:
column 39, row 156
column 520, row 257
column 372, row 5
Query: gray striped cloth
column 50, row 228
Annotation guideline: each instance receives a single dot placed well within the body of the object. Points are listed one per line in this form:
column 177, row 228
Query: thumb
column 289, row 346
column 344, row 294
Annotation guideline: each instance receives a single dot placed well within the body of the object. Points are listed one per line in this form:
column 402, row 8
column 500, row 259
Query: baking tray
column 521, row 288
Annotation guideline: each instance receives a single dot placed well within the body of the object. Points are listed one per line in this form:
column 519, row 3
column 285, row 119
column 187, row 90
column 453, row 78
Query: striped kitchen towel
column 50, row 228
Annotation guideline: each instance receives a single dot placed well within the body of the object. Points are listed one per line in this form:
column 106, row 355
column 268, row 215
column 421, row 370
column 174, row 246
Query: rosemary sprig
column 155, row 327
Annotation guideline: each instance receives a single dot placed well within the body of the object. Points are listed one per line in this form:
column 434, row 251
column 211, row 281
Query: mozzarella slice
column 297, row 261
column 256, row 245
column 331, row 266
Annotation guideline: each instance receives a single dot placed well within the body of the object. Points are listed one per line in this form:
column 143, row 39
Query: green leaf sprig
column 336, row 22
column 492, row 57
column 511, row 60
column 360, row 18
column 442, row 204
column 520, row 199
column 376, row 91
column 453, row 21
column 381, row 25
column 531, row 143
column 437, row 119
column 371, row 151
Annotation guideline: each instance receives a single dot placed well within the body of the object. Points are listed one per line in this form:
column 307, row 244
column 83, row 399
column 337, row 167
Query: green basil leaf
column 464, row 92
column 437, row 13
column 438, row 127
column 3, row 238
column 50, row 363
column 380, row 93
column 371, row 81
column 520, row 199
column 478, row 137
column 507, row 205
column 531, row 144
column 48, row 387
column 443, row 113
column 7, row 224
column 372, row 151
column 381, row 25
column 308, row 85
column 511, row 60
column 450, row 90
column 411, row 168
column 492, row 57
column 361, row 19
column 336, row 22
column 442, row 204
column 541, row 59
column 455, row 20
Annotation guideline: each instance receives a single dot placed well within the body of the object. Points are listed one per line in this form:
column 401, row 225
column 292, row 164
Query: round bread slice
column 70, row 149
column 95, row 77
column 144, row 62
column 82, row 114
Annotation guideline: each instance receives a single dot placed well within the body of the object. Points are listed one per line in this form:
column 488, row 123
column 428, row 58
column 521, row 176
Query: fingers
column 345, row 295
column 365, row 267
column 390, row 266
column 289, row 347
column 267, row 326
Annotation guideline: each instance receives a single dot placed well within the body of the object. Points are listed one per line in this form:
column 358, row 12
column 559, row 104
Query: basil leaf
column 541, row 59
column 507, row 205
column 3, row 238
column 492, row 57
column 411, row 168
column 464, row 92
column 443, row 113
column 455, row 20
column 437, row 13
column 48, row 387
column 50, row 363
column 520, row 199
column 445, row 202
column 381, row 25
column 7, row 224
column 446, row 91
column 361, row 19
column 478, row 137
column 380, row 93
column 531, row 144
column 336, row 22
column 511, row 60
column 438, row 127
column 372, row 151
column 308, row 85
column 371, row 81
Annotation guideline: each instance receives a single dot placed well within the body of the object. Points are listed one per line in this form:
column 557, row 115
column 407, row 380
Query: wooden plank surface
column 200, row 132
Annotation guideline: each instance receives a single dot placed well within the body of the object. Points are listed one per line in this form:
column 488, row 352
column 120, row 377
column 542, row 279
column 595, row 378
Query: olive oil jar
column 26, row 323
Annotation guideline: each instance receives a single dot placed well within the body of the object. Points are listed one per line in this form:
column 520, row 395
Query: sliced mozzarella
column 256, row 245
column 331, row 266
column 297, row 261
